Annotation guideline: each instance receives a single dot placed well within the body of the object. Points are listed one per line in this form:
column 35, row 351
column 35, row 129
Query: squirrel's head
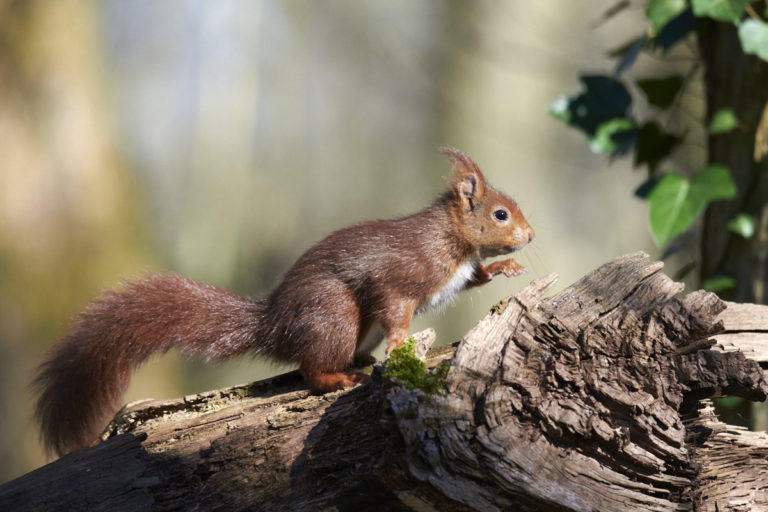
column 488, row 220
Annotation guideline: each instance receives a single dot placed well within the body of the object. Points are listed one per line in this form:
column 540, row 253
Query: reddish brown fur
column 317, row 317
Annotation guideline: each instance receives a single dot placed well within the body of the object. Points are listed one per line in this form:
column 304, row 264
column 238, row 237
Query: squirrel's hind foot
column 325, row 382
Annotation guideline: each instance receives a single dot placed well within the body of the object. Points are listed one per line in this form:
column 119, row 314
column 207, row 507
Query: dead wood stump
column 579, row 401
column 594, row 399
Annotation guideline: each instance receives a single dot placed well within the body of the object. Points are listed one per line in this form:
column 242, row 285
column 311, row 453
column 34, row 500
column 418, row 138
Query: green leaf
column 653, row 145
column 659, row 12
column 719, row 283
column 602, row 99
column 721, row 10
column 753, row 35
column 646, row 187
column 723, row 121
column 675, row 202
column 559, row 109
column 713, row 183
column 661, row 92
column 614, row 136
column 730, row 402
column 742, row 224
column 675, row 31
column 670, row 210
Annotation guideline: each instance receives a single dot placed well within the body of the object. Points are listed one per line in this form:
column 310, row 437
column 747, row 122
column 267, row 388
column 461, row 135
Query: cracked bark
column 594, row 399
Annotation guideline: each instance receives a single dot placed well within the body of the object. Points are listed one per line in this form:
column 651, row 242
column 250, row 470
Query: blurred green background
column 221, row 139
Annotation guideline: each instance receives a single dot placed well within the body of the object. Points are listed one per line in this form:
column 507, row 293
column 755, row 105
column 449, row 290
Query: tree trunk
column 736, row 80
column 594, row 399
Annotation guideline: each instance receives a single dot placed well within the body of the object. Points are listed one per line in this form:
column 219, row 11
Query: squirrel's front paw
column 508, row 267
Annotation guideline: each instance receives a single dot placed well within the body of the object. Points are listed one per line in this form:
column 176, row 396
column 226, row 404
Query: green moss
column 499, row 307
column 410, row 371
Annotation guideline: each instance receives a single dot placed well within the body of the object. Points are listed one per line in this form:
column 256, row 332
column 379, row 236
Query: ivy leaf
column 675, row 30
column 615, row 136
column 646, row 187
column 721, row 10
column 559, row 109
column 723, row 121
column 713, row 183
column 719, row 283
column 670, row 210
column 653, row 145
column 661, row 92
column 628, row 54
column 602, row 99
column 753, row 35
column 743, row 224
column 729, row 402
column 675, row 202
column 659, row 12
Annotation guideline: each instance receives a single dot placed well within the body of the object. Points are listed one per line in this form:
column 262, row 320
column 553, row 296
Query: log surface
column 575, row 401
column 593, row 399
column 745, row 330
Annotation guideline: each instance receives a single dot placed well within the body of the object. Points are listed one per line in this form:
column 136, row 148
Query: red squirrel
column 326, row 314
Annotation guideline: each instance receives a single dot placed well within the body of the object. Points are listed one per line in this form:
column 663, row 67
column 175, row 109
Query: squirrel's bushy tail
column 82, row 381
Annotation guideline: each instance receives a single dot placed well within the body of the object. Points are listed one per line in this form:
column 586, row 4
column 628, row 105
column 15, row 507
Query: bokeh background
column 221, row 139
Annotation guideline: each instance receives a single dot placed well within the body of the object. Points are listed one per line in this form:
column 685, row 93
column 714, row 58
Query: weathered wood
column 574, row 401
column 754, row 345
column 272, row 446
column 593, row 399
column 744, row 317
column 104, row 478
column 733, row 463
column 746, row 330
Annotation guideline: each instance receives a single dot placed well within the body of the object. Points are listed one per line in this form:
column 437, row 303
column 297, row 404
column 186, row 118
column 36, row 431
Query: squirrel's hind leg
column 327, row 357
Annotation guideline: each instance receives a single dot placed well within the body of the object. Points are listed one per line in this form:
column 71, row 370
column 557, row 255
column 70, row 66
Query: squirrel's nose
column 531, row 234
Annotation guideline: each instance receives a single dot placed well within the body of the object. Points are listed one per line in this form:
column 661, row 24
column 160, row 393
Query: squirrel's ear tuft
column 467, row 181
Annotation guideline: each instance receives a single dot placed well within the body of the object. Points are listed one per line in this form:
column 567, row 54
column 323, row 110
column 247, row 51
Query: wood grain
column 596, row 398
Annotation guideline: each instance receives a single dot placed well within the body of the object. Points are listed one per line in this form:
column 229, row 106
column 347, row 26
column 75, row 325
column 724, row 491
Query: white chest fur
column 451, row 289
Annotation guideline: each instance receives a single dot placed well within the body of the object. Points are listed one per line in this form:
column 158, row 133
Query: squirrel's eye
column 501, row 215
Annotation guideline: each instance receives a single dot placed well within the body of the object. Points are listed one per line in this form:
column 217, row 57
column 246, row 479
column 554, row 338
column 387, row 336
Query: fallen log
column 596, row 398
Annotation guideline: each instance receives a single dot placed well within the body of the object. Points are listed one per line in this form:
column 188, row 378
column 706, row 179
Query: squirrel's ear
column 467, row 181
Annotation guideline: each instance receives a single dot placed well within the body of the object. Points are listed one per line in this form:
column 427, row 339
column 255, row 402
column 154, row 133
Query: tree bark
column 594, row 399
column 734, row 79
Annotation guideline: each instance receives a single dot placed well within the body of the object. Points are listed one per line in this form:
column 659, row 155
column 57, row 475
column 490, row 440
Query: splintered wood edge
column 746, row 330
column 744, row 317
column 424, row 341
column 479, row 357
column 733, row 461
column 606, row 288
column 531, row 294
